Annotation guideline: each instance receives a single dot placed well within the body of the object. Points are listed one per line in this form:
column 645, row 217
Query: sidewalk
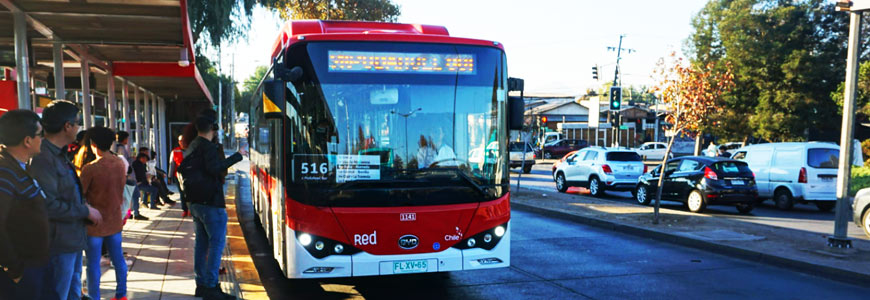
column 800, row 250
column 160, row 258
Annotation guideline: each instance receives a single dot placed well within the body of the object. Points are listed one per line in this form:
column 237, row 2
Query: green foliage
column 249, row 86
column 860, row 179
column 784, row 54
column 360, row 10
column 219, row 20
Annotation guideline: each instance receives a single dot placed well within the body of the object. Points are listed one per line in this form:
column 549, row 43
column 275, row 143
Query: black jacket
column 140, row 171
column 23, row 219
column 67, row 212
column 202, row 169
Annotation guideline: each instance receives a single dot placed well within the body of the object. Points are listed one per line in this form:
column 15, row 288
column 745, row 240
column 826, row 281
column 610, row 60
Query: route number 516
column 312, row 168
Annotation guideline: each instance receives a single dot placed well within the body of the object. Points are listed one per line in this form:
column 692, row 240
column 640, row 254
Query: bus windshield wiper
column 461, row 174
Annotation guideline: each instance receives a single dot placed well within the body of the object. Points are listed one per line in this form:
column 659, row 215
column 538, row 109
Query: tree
column 784, row 54
column 689, row 95
column 249, row 86
column 219, row 20
column 362, row 10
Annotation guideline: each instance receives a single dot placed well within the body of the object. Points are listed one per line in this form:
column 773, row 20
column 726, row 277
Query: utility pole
column 617, row 83
column 844, row 171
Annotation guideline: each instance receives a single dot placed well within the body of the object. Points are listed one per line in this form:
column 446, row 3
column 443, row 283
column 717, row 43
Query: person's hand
column 94, row 215
column 16, row 280
column 243, row 152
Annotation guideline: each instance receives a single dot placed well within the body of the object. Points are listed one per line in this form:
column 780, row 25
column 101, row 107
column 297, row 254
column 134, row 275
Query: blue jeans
column 93, row 252
column 30, row 286
column 144, row 188
column 211, row 237
column 65, row 280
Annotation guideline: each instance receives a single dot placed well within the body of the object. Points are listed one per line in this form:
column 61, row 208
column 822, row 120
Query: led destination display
column 400, row 62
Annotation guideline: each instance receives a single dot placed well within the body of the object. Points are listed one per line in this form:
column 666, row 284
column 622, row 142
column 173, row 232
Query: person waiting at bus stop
column 202, row 169
column 67, row 210
column 143, row 185
column 24, row 230
column 103, row 181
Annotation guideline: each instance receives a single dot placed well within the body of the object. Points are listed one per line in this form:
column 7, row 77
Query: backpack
column 199, row 187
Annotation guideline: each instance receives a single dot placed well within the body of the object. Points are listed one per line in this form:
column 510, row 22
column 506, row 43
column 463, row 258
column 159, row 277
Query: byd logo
column 408, row 241
column 365, row 239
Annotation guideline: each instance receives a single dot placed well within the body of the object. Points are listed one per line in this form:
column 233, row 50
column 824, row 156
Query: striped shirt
column 24, row 236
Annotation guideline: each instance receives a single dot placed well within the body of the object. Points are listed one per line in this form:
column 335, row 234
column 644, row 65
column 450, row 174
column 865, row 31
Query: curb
column 728, row 250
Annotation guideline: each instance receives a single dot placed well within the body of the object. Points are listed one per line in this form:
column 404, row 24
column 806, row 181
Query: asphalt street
column 802, row 216
column 556, row 259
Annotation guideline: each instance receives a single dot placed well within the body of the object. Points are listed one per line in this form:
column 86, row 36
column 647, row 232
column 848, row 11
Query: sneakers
column 141, row 218
column 169, row 202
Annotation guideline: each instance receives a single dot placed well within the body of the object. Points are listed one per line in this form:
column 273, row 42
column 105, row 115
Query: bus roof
column 294, row 31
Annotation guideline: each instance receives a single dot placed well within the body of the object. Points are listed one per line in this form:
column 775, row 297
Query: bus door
column 277, row 207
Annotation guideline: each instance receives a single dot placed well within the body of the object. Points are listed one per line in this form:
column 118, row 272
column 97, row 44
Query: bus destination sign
column 401, row 62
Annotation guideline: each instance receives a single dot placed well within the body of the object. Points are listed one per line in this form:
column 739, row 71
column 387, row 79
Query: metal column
column 22, row 60
column 162, row 133
column 154, row 122
column 125, row 105
column 136, row 118
column 112, row 102
column 146, row 134
column 86, row 95
column 59, row 86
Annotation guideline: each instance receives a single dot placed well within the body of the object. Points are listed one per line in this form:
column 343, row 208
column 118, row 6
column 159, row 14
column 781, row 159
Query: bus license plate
column 737, row 182
column 410, row 266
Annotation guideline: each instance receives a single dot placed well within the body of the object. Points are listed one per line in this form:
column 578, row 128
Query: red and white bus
column 381, row 148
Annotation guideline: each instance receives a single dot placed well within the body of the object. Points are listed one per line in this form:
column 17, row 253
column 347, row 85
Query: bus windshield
column 390, row 124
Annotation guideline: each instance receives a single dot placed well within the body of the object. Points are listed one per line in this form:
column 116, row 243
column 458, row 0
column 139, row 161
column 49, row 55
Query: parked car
column 699, row 181
column 562, row 147
column 600, row 169
column 516, row 151
column 562, row 160
column 794, row 172
column 861, row 209
column 652, row 151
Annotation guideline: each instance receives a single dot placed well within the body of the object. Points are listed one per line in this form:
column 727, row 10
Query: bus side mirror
column 274, row 102
column 516, row 109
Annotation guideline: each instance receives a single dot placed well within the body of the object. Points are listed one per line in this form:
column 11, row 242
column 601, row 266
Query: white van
column 794, row 172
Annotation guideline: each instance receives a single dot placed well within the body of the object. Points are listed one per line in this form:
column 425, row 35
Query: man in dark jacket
column 202, row 170
column 67, row 210
column 23, row 220
column 143, row 185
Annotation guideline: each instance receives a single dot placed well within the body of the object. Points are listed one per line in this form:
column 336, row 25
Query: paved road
column 555, row 259
column 803, row 216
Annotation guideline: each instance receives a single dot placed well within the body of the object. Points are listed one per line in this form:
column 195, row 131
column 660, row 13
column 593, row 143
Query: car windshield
column 623, row 156
column 823, row 158
column 417, row 109
column 732, row 168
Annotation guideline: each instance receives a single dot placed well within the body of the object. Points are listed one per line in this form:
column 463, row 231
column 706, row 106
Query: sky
column 551, row 44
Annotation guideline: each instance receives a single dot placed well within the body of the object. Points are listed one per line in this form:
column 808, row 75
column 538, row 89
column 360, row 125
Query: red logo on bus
column 408, row 217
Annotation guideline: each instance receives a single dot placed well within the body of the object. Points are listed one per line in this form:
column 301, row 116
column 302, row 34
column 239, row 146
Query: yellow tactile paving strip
column 246, row 273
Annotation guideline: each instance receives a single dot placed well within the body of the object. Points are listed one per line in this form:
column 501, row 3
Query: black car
column 699, row 181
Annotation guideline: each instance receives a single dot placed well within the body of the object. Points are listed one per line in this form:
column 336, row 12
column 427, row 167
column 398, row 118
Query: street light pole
column 840, row 239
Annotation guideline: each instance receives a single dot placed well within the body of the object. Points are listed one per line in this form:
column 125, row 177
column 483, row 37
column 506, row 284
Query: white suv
column 600, row 169
column 794, row 172
column 652, row 151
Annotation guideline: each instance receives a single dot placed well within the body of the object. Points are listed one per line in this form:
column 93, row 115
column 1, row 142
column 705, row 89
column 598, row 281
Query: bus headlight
column 499, row 231
column 487, row 238
column 318, row 245
column 471, row 242
column 338, row 248
column 305, row 239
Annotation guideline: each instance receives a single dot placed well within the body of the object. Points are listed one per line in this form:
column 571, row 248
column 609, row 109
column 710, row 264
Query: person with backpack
column 202, row 169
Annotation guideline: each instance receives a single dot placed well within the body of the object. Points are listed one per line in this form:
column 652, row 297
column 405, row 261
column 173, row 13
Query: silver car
column 600, row 169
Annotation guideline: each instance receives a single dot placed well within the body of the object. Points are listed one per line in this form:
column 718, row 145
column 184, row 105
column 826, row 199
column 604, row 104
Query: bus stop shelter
column 129, row 64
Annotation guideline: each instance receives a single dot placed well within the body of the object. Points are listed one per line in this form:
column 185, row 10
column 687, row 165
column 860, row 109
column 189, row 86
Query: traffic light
column 615, row 98
column 595, row 72
column 544, row 120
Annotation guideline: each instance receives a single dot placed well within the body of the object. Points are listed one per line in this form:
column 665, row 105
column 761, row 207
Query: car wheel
column 548, row 155
column 745, row 208
column 695, row 202
column 595, row 187
column 826, row 205
column 527, row 169
column 783, row 199
column 641, row 195
column 866, row 221
column 561, row 184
